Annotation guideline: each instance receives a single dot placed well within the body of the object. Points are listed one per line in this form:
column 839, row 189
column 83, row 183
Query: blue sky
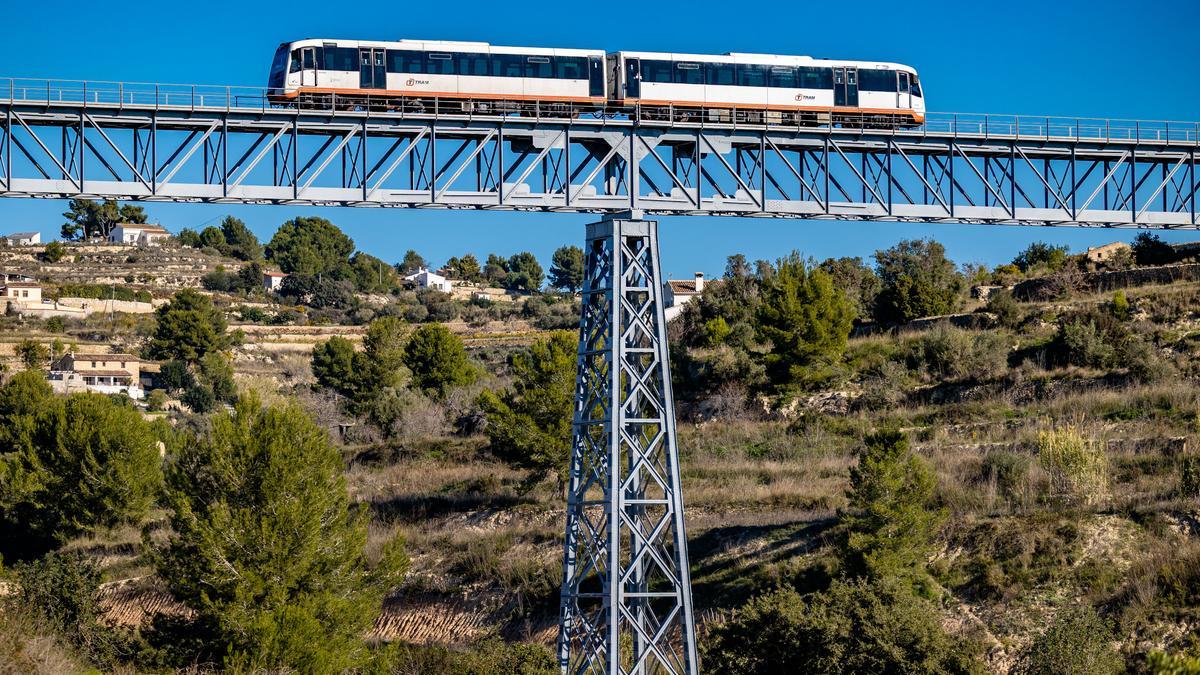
column 1098, row 58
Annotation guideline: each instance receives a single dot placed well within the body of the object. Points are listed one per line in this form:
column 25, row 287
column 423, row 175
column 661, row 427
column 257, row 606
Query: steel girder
column 626, row 596
column 284, row 156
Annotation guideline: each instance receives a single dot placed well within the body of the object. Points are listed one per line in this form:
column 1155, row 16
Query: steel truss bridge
column 229, row 145
column 626, row 603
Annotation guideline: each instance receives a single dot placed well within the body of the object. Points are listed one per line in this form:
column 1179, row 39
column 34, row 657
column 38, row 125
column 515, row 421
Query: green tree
column 524, row 272
column 917, row 281
column 88, row 218
column 188, row 237
column 384, row 356
column 1040, row 255
column 857, row 626
column 566, row 269
column 465, row 268
column 1077, row 642
column 267, row 548
column 495, row 271
column 33, row 355
column 1150, row 249
column 188, row 327
column 240, row 241
column 411, row 263
column 212, row 237
column 1120, row 305
column 858, row 280
column 334, row 366
column 889, row 518
column 70, row 465
column 437, row 360
column 530, row 426
column 54, row 252
column 372, row 275
column 309, row 246
column 807, row 321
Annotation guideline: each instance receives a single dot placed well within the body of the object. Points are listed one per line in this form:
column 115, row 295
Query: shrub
column 156, row 400
column 63, row 590
column 855, row 627
column 1189, row 477
column 1120, row 305
column 1004, row 306
column 1009, row 471
column 1077, row 466
column 1077, row 642
column 952, row 353
column 55, row 324
column 54, row 252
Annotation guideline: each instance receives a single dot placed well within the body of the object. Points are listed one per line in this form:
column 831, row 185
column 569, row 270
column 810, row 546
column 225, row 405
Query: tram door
column 308, row 67
column 371, row 70
column 845, row 87
column 633, row 78
column 904, row 92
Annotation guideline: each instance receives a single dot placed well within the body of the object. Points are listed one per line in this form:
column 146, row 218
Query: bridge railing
column 241, row 98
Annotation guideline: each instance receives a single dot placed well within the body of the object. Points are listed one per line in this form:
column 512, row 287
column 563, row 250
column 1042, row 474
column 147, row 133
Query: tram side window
column 338, row 58
column 405, row 61
column 468, row 63
column 508, row 65
column 539, row 66
column 814, row 78
column 295, row 65
column 876, row 80
column 656, row 71
column 689, row 73
column 751, row 75
column 783, row 77
column 916, row 86
column 570, row 67
column 722, row 74
column 439, row 63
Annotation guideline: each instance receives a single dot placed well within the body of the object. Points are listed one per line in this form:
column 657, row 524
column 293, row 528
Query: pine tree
column 530, row 427
column 266, row 546
column 437, row 360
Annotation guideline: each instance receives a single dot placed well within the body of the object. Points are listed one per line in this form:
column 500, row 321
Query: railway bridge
column 626, row 600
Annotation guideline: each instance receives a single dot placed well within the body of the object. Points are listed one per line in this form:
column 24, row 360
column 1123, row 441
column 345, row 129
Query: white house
column 101, row 373
column 22, row 239
column 678, row 292
column 272, row 281
column 426, row 279
column 21, row 292
column 138, row 234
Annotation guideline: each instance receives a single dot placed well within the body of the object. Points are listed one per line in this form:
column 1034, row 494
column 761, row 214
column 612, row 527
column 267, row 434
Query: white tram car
column 317, row 71
column 787, row 89
column 478, row 77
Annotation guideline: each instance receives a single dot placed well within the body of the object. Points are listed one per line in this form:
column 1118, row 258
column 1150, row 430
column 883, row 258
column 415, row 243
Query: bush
column 55, row 324
column 1120, row 306
column 1077, row 642
column 54, row 252
column 917, row 280
column 1004, row 306
column 949, row 353
column 1077, row 466
column 1009, row 471
column 855, row 627
column 1189, row 477
column 63, row 590
column 156, row 400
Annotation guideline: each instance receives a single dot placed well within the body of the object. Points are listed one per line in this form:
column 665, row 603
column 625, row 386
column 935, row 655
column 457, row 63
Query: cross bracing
column 225, row 147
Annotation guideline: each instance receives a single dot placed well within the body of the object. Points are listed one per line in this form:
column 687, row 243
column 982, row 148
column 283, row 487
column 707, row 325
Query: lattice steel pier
column 626, row 597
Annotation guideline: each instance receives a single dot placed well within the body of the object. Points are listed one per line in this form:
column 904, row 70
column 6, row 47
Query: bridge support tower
column 626, row 605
